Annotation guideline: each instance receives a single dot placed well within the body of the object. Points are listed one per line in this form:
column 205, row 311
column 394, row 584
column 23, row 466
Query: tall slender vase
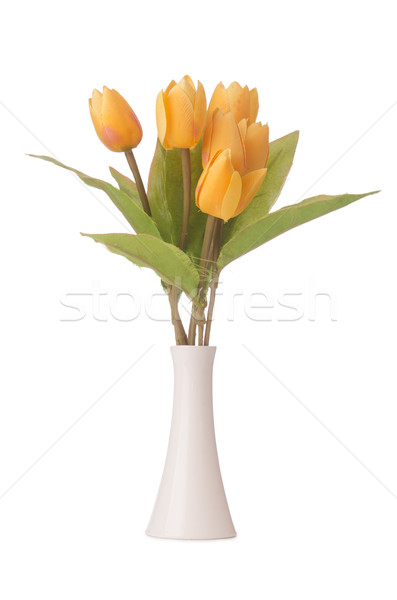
column 191, row 503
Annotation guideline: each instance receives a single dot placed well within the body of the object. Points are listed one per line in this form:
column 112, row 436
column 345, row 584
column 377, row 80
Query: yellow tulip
column 181, row 114
column 241, row 101
column 221, row 191
column 115, row 122
column 222, row 131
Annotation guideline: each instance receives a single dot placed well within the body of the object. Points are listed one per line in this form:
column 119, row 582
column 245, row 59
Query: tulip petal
column 95, row 119
column 161, row 118
column 96, row 102
column 107, row 125
column 113, row 139
column 243, row 125
column 108, row 136
column 251, row 183
column 189, row 80
column 257, row 146
column 232, row 197
column 170, row 86
column 219, row 99
column 120, row 104
column 188, row 87
column 206, row 148
column 133, row 128
column 254, row 105
column 239, row 99
column 179, row 119
column 226, row 134
column 199, row 113
column 117, row 100
column 214, row 183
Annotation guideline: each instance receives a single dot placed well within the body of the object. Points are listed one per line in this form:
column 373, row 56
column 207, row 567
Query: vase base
column 192, row 539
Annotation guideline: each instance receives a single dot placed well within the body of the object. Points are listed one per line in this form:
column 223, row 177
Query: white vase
column 191, row 503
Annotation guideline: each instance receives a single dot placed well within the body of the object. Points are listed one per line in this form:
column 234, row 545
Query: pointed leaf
column 136, row 217
column 126, row 185
column 280, row 221
column 165, row 193
column 281, row 155
column 169, row 262
column 164, row 189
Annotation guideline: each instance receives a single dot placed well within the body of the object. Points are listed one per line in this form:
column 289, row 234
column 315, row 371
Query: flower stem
column 205, row 252
column 213, row 287
column 138, row 180
column 180, row 334
column 187, row 182
column 214, row 280
column 191, row 340
column 198, row 317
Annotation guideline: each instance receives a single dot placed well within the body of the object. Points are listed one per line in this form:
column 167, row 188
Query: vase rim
column 188, row 346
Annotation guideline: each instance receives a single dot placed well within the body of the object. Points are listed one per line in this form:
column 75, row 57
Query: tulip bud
column 115, row 122
column 181, row 114
column 221, row 191
column 241, row 101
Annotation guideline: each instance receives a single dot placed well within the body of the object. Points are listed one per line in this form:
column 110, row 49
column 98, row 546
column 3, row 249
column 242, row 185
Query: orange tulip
column 249, row 144
column 223, row 132
column 115, row 122
column 181, row 114
column 241, row 101
column 221, row 191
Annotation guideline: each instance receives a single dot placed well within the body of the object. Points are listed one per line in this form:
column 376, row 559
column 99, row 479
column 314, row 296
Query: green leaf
column 169, row 262
column 280, row 221
column 136, row 217
column 164, row 189
column 197, row 219
column 281, row 155
column 126, row 185
column 165, row 193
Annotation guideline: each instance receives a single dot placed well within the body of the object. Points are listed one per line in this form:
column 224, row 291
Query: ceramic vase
column 191, row 503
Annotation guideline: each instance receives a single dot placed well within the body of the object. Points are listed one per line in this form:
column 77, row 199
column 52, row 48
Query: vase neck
column 193, row 366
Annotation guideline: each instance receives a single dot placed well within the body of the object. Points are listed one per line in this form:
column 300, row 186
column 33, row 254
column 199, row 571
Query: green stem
column 180, row 334
column 205, row 252
column 138, row 180
column 191, row 339
column 205, row 256
column 214, row 280
column 187, row 183
column 200, row 334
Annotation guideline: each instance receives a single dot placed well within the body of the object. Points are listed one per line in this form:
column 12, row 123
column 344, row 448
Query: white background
column 310, row 473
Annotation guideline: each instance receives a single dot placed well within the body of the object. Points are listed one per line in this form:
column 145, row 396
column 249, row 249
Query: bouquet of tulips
column 213, row 181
